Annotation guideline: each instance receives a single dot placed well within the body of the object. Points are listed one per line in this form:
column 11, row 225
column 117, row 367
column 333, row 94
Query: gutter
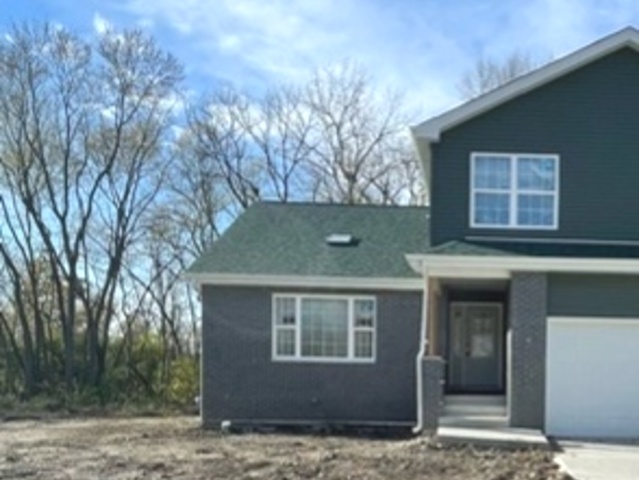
column 447, row 266
column 383, row 283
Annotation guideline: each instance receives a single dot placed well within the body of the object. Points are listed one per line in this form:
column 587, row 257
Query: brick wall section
column 240, row 381
column 528, row 293
column 432, row 391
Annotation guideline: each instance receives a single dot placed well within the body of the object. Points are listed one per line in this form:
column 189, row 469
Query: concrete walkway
column 599, row 461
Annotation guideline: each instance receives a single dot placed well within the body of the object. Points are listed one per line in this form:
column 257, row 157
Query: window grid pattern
column 285, row 331
column 324, row 328
column 515, row 191
column 364, row 328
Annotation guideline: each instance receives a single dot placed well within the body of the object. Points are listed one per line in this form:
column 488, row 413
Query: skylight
column 340, row 239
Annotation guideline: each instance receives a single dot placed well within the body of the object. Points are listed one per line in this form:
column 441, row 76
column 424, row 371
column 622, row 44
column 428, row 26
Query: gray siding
column 432, row 392
column 527, row 385
column 593, row 295
column 589, row 118
column 241, row 382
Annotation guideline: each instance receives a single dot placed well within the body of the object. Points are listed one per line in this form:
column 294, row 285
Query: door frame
column 501, row 329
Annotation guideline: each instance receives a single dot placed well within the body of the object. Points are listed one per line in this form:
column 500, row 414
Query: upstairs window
column 514, row 191
column 324, row 328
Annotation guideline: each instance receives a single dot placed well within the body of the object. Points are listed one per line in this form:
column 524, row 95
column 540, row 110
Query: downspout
column 423, row 344
column 201, row 396
column 424, row 153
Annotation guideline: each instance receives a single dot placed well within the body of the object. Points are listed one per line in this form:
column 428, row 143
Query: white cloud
column 229, row 42
column 100, row 24
column 418, row 47
column 145, row 22
column 284, row 41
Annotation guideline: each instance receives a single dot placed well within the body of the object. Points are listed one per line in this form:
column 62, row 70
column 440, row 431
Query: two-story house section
column 533, row 271
column 512, row 300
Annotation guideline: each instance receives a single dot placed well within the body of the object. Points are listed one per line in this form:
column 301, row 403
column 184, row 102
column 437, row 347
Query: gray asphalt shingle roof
column 290, row 239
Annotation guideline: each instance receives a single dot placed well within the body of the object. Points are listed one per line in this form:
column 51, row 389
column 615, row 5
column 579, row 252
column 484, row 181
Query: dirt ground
column 152, row 448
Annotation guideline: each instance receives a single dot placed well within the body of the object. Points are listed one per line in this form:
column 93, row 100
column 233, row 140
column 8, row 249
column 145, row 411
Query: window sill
column 515, row 227
column 337, row 361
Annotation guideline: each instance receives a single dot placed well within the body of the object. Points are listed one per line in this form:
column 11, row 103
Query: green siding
column 593, row 295
column 589, row 117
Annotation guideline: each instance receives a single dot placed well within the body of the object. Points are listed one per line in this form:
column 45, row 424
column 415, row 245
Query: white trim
column 350, row 332
column 513, row 191
column 456, row 272
column 298, row 357
column 595, row 321
column 432, row 128
column 575, row 241
column 201, row 373
column 500, row 265
column 352, row 283
column 509, row 369
column 298, row 330
column 424, row 153
column 350, row 360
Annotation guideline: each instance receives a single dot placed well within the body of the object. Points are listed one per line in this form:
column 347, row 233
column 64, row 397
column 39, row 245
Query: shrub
column 185, row 381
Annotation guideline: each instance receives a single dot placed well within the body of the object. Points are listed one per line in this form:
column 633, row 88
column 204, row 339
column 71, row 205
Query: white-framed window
column 329, row 328
column 514, row 191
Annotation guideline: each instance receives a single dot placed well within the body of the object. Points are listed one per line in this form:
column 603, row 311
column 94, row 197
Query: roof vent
column 341, row 239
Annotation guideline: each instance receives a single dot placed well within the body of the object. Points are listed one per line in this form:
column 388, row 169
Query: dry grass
column 162, row 448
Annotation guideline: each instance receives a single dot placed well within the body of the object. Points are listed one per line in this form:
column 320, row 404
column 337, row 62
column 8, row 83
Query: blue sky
column 419, row 47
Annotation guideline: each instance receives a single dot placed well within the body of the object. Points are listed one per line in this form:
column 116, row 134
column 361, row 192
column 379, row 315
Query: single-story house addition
column 513, row 297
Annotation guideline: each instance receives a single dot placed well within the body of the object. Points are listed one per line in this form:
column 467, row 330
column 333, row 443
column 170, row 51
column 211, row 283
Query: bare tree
column 219, row 142
column 358, row 138
column 280, row 127
column 80, row 162
column 488, row 73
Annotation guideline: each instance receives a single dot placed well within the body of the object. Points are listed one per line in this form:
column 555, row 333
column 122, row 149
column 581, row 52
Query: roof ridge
column 336, row 205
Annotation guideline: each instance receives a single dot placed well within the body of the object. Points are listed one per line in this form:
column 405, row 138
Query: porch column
column 432, row 366
column 527, row 347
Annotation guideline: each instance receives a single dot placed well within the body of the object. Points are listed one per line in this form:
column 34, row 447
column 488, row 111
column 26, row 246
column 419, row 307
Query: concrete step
column 475, row 405
column 488, row 410
column 489, row 400
column 492, row 437
column 474, row 421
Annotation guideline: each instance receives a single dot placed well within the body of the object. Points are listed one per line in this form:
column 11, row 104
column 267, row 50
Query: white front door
column 592, row 377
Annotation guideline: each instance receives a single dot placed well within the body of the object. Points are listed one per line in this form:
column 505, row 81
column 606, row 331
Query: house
column 311, row 313
column 517, row 289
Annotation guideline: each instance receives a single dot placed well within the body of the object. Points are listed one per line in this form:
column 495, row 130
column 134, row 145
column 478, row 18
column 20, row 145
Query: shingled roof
column 291, row 239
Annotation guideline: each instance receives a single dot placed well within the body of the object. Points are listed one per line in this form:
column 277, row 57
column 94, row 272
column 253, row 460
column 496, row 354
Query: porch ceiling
column 496, row 285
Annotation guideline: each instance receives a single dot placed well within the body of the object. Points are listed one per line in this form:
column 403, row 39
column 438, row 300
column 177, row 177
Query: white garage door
column 592, row 377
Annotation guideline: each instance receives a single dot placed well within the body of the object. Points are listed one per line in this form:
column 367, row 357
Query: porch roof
column 535, row 249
